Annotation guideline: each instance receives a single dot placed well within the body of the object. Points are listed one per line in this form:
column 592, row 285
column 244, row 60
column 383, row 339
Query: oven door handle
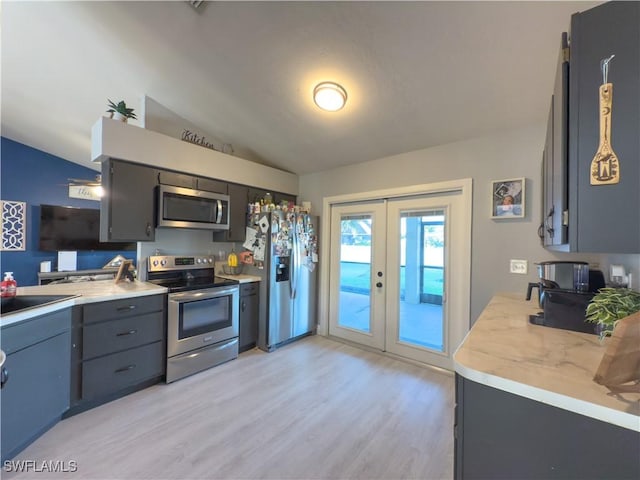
column 196, row 295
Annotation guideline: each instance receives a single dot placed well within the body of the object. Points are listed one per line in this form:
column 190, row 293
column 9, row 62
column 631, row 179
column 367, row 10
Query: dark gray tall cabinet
column 605, row 218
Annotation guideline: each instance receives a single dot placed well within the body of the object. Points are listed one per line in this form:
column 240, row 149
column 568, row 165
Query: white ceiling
column 418, row 74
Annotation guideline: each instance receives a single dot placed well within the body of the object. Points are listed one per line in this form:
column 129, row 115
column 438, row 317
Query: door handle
column 379, row 284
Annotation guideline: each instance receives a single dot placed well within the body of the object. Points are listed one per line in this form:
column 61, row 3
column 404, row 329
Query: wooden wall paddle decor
column 605, row 168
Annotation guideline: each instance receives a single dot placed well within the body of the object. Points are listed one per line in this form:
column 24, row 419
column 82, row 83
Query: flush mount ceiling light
column 329, row 96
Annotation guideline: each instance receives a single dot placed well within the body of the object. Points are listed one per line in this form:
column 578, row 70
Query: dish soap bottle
column 232, row 260
column 8, row 286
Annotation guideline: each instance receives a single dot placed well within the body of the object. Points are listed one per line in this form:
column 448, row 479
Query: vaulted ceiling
column 418, row 74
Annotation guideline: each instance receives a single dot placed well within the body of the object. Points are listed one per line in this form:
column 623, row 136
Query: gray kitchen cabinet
column 238, row 201
column 605, row 218
column 249, row 312
column 184, row 180
column 554, row 228
column 36, row 392
column 175, row 179
column 500, row 435
column 127, row 209
column 257, row 194
column 212, row 185
column 278, row 198
column 119, row 346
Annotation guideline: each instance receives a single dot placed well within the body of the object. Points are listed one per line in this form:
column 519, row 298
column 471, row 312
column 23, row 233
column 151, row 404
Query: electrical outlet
column 518, row 266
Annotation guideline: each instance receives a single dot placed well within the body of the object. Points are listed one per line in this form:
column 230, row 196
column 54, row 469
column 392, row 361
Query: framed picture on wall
column 507, row 198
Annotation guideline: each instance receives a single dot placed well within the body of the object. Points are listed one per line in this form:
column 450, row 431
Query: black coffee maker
column 565, row 289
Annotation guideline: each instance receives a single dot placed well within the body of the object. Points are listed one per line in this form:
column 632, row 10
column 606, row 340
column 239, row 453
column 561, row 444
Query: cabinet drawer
column 109, row 337
column 24, row 334
column 112, row 373
column 249, row 288
column 96, row 312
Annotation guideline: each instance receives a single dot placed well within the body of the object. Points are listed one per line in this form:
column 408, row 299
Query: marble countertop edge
column 598, row 412
column 553, row 366
column 83, row 292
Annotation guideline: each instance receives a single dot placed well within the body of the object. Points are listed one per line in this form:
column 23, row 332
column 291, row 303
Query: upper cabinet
column 127, row 208
column 238, row 198
column 554, row 230
column 579, row 214
column 605, row 218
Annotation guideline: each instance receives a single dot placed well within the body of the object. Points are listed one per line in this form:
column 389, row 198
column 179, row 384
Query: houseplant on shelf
column 120, row 111
column 610, row 305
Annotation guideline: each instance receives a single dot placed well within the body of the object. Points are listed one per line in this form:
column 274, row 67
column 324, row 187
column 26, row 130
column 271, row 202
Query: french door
column 399, row 274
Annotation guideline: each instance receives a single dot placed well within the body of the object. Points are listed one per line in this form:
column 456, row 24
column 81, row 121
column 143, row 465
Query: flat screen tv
column 71, row 228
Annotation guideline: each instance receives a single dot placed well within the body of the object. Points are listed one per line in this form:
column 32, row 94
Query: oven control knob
column 199, row 260
column 163, row 262
column 210, row 260
column 155, row 263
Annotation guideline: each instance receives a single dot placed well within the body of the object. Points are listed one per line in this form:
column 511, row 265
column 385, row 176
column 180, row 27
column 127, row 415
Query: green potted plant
column 610, row 305
column 120, row 111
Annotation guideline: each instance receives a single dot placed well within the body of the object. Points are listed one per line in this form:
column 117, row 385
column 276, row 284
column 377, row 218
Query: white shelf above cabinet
column 112, row 139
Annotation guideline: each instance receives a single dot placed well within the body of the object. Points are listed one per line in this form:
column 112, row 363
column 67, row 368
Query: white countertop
column 242, row 278
column 88, row 292
column 553, row 366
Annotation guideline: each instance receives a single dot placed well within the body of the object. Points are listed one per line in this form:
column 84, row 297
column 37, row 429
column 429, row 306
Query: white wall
column 507, row 154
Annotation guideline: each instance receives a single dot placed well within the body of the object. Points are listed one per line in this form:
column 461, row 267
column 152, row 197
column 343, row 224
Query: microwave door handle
column 219, row 219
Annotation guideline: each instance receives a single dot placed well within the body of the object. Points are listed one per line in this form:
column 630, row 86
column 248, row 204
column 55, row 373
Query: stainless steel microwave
column 180, row 207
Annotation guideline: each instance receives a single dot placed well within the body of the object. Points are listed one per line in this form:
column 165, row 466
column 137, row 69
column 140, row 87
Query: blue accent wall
column 36, row 177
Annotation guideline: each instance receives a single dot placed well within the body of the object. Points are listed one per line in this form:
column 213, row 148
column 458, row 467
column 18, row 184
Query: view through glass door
column 397, row 286
column 356, row 303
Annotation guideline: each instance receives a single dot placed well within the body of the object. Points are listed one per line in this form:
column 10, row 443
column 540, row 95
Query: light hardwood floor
column 315, row 409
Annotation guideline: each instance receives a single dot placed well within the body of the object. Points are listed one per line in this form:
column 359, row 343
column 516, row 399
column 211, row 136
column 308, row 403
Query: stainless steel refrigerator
column 286, row 246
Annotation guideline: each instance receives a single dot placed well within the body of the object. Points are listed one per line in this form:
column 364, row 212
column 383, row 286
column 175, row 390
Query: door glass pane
column 355, row 273
column 421, row 320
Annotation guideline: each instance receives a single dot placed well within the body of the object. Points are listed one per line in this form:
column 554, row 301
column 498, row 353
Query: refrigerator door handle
column 292, row 265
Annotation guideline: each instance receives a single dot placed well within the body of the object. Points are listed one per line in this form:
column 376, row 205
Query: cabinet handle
column 379, row 284
column 549, row 218
column 148, row 229
column 124, row 334
column 4, row 377
column 127, row 308
column 125, row 369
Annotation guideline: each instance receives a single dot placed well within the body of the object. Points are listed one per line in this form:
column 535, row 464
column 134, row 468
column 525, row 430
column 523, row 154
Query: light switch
column 518, row 266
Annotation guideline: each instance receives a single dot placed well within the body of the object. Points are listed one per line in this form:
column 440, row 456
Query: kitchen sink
column 23, row 302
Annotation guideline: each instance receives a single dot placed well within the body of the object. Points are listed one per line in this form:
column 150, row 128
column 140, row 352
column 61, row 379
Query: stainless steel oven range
column 202, row 313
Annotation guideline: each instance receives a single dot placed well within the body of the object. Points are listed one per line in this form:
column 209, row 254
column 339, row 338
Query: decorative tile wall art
column 13, row 226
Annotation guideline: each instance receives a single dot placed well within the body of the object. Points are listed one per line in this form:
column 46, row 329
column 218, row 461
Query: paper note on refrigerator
column 258, row 251
column 250, row 241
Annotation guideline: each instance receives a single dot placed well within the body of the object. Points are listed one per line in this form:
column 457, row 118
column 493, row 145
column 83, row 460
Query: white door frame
column 458, row 329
